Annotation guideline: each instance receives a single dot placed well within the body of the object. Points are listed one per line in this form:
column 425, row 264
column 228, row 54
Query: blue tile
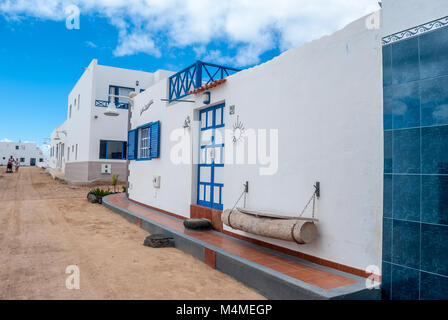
column 406, row 151
column 388, row 151
column 406, row 197
column 387, row 65
column 434, row 99
column 435, row 199
column 387, row 196
column 387, row 107
column 386, row 281
column 405, row 283
column 433, row 287
column 435, row 150
column 387, row 239
column 404, row 101
column 405, row 61
column 435, row 249
column 406, row 243
column 434, row 53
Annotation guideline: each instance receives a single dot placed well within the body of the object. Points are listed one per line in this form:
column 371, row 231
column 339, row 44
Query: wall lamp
column 206, row 97
column 111, row 109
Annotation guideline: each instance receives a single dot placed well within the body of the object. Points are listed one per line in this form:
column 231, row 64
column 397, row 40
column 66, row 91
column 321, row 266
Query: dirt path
column 46, row 226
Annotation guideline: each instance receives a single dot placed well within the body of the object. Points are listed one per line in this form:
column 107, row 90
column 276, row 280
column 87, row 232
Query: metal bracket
column 246, row 187
column 317, row 187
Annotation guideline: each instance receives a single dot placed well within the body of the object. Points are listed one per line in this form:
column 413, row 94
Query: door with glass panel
column 211, row 157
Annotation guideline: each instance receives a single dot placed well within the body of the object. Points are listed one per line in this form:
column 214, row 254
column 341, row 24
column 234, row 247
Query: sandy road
column 46, row 226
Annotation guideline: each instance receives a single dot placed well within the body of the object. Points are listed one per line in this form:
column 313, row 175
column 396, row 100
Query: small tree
column 115, row 180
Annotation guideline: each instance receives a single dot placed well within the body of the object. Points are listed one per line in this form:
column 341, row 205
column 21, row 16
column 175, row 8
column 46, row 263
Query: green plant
column 123, row 188
column 115, row 180
column 100, row 192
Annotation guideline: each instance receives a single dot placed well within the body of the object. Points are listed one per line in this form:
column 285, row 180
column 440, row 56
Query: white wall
column 400, row 15
column 176, row 180
column 77, row 126
column 112, row 128
column 86, row 125
column 57, row 156
column 325, row 99
column 25, row 150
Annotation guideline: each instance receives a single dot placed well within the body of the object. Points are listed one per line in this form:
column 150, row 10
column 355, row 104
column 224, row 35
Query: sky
column 41, row 59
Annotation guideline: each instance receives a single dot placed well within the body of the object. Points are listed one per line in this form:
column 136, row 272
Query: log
column 299, row 231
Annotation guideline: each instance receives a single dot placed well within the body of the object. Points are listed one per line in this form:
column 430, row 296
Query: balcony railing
column 105, row 104
column 195, row 76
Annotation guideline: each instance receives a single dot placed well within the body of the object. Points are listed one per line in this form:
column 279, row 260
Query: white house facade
column 312, row 114
column 28, row 153
column 89, row 138
column 348, row 131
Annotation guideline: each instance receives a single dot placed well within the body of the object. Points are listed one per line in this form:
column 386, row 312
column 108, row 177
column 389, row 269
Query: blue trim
column 153, row 140
column 132, row 144
column 415, row 31
column 193, row 76
column 105, row 104
column 213, row 203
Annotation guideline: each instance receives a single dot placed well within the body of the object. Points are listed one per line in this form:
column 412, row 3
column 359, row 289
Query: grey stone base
column 89, row 172
column 268, row 282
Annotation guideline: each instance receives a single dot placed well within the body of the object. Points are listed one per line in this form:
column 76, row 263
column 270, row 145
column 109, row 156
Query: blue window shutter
column 155, row 139
column 132, row 145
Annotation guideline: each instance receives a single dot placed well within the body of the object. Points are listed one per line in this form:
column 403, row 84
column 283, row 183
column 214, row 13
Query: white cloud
column 5, row 140
column 134, row 43
column 253, row 26
column 90, row 44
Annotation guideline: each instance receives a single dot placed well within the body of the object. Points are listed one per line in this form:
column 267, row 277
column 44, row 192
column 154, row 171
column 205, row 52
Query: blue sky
column 41, row 60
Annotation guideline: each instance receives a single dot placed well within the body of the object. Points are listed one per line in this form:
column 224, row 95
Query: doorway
column 211, row 151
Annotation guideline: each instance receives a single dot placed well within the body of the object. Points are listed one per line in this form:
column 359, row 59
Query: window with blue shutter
column 155, row 139
column 132, row 145
column 147, row 145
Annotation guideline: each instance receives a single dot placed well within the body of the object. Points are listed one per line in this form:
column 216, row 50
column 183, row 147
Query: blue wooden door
column 211, row 157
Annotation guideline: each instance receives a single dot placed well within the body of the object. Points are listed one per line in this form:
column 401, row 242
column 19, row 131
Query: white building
column 28, row 153
column 362, row 111
column 311, row 114
column 89, row 138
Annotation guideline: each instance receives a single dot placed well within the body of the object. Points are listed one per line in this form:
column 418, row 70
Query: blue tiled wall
column 415, row 210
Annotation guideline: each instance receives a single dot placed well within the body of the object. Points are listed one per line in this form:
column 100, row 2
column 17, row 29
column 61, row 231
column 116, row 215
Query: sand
column 46, row 226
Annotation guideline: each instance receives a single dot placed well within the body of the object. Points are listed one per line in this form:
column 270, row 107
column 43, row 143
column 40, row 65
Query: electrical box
column 156, row 181
column 106, row 168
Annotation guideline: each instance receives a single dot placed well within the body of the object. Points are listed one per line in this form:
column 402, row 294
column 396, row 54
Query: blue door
column 211, row 156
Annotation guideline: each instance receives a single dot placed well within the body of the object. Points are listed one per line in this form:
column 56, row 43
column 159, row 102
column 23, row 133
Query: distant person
column 9, row 166
column 17, row 163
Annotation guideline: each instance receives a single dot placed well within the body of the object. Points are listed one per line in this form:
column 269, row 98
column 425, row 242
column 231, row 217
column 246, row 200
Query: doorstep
column 273, row 274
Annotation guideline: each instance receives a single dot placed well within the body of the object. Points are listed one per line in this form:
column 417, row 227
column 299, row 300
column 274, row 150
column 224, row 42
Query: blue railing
column 104, row 103
column 195, row 76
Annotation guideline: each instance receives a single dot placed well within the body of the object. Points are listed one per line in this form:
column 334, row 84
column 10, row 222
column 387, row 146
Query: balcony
column 195, row 76
column 105, row 104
